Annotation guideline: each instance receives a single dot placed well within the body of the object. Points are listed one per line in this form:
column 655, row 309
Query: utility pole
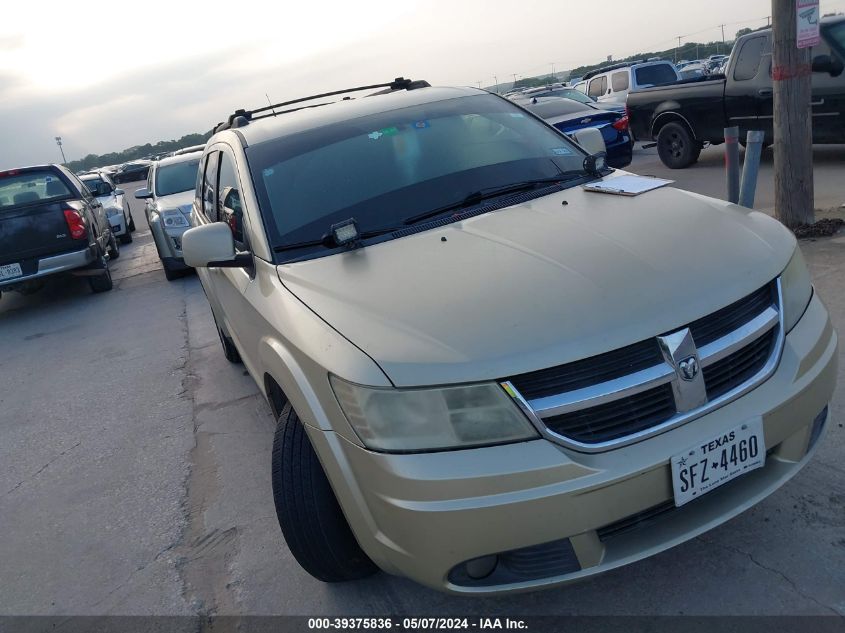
column 677, row 47
column 59, row 143
column 793, row 121
column 514, row 80
column 497, row 83
column 553, row 72
column 479, row 84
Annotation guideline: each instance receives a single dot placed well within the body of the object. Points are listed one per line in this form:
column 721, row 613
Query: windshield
column 96, row 185
column 836, row 36
column 176, row 177
column 384, row 168
column 29, row 187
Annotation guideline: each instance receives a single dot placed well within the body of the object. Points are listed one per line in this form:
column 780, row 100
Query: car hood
column 557, row 279
column 181, row 201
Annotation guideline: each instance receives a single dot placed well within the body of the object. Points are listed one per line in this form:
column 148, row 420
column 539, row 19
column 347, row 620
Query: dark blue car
column 569, row 116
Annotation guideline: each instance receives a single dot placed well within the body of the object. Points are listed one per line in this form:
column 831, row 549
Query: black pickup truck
column 683, row 116
column 49, row 224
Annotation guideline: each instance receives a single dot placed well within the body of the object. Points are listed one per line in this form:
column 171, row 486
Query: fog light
column 479, row 568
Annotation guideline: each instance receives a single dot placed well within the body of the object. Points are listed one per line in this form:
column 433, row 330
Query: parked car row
column 683, row 117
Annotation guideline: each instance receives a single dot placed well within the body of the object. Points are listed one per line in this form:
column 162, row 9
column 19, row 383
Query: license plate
column 709, row 464
column 8, row 271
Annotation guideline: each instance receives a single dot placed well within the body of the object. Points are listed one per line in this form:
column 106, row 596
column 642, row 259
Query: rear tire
column 676, row 146
column 312, row 522
column 101, row 283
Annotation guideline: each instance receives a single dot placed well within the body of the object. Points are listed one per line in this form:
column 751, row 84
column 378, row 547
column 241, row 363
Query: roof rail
column 605, row 69
column 241, row 117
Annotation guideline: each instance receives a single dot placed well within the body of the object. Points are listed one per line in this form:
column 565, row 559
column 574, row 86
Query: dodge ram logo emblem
column 688, row 368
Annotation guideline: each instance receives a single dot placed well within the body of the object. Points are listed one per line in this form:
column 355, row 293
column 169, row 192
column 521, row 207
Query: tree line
column 147, row 150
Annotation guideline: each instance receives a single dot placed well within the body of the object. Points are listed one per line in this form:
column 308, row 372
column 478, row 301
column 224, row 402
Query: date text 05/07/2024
column 412, row 624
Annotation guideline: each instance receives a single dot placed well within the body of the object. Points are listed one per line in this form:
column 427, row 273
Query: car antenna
column 271, row 103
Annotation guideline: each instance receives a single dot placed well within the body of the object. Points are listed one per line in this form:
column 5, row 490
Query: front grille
column 590, row 371
column 596, row 415
column 730, row 372
column 726, row 320
column 616, row 419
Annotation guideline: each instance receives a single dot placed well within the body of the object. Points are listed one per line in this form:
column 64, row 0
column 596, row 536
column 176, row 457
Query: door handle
column 819, row 102
column 765, row 92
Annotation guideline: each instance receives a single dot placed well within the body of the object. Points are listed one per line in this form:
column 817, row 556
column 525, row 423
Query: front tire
column 229, row 350
column 114, row 248
column 172, row 274
column 131, row 224
column 312, row 522
column 676, row 146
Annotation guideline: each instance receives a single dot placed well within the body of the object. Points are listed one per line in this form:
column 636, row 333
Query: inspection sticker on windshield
column 561, row 151
column 716, row 461
column 517, row 115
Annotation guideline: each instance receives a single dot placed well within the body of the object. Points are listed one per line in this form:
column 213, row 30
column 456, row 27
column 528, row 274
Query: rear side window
column 748, row 60
column 598, row 86
column 619, row 81
column 30, row 187
column 656, row 75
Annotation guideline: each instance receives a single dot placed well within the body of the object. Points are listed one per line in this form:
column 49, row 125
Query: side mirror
column 212, row 246
column 591, row 140
column 827, row 64
column 119, row 192
column 143, row 193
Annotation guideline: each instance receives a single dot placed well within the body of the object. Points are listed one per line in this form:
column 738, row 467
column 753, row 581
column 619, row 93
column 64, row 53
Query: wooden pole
column 793, row 121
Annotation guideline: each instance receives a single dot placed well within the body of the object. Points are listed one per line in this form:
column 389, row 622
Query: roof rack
column 241, row 117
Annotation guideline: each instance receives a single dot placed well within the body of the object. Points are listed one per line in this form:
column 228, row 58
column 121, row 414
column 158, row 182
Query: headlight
column 797, row 289
column 173, row 219
column 396, row 420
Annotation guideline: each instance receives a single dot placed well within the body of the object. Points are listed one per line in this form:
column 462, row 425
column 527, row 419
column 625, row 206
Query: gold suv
column 486, row 377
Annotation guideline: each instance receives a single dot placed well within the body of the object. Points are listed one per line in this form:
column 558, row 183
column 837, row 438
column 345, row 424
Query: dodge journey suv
column 488, row 378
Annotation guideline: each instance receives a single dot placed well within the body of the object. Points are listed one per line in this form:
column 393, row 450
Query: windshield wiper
column 491, row 192
column 327, row 241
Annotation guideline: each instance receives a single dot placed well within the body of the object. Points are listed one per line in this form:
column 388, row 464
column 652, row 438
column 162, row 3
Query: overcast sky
column 106, row 76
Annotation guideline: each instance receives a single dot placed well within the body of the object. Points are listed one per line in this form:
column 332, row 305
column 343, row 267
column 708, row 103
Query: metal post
column 751, row 167
column 732, row 162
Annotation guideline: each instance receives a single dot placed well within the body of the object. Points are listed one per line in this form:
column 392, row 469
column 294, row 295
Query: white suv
column 613, row 83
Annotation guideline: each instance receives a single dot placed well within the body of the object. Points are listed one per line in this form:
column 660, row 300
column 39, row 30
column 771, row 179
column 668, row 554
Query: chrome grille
column 637, row 391
column 618, row 418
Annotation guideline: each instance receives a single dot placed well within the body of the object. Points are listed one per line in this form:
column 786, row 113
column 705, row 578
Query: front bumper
column 118, row 224
column 168, row 241
column 423, row 515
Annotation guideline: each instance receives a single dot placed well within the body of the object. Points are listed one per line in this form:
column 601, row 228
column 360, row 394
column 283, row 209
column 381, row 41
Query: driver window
column 229, row 207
